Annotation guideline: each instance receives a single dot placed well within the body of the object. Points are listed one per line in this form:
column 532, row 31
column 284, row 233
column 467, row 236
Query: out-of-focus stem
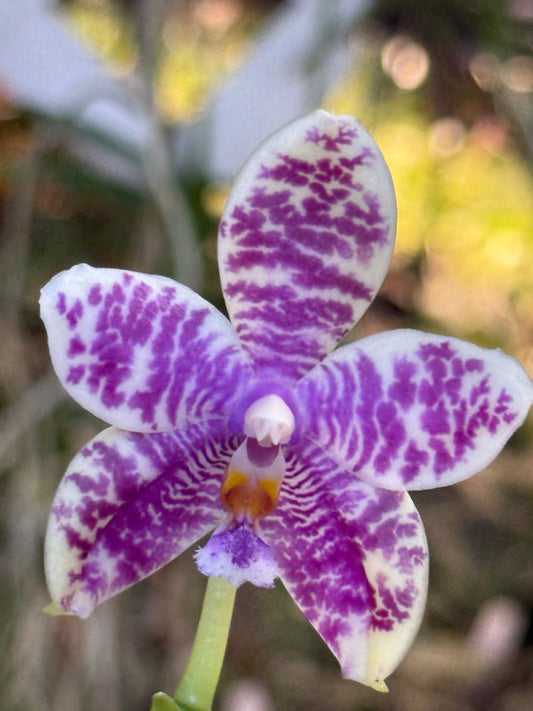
column 164, row 188
column 173, row 210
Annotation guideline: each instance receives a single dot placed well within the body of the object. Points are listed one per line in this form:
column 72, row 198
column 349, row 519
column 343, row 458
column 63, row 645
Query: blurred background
column 122, row 124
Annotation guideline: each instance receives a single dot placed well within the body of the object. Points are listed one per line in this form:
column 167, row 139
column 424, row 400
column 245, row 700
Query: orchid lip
column 238, row 554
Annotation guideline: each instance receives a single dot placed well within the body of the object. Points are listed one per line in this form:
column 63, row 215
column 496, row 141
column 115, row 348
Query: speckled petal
column 142, row 352
column 305, row 241
column 411, row 410
column 128, row 504
column 354, row 558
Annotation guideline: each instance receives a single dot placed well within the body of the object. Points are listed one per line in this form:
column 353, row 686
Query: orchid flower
column 296, row 457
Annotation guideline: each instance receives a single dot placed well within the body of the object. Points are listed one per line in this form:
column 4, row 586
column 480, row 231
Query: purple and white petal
column 128, row 504
column 142, row 352
column 305, row 241
column 355, row 560
column 411, row 410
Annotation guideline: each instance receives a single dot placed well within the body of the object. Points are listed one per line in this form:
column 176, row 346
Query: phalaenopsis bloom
column 297, row 461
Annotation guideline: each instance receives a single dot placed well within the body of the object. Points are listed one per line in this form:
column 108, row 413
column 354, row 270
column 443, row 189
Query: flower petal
column 411, row 410
column 355, row 559
column 142, row 352
column 305, row 240
column 128, row 504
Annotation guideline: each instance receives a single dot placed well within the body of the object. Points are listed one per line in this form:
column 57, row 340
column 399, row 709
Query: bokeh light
column 405, row 61
column 485, row 69
column 447, row 136
column 517, row 74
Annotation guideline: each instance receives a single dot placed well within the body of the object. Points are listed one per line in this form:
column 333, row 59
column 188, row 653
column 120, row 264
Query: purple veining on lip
column 410, row 410
column 335, row 532
column 130, row 503
column 303, row 245
column 141, row 352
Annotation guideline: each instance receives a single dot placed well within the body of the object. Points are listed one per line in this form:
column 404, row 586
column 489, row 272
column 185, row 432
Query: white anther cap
column 269, row 420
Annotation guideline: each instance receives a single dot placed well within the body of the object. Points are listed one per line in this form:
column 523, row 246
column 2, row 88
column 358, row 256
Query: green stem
column 197, row 688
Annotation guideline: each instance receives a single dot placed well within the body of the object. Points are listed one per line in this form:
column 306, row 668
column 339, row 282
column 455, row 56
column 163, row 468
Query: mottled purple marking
column 443, row 460
column 435, row 421
column 412, row 419
column 306, row 270
column 414, row 459
column 311, row 220
column 61, row 303
column 329, row 142
column 479, row 390
column 74, row 314
column 403, row 389
column 76, row 541
column 86, row 484
column 75, row 374
column 290, row 170
column 370, row 394
column 393, row 435
column 150, row 497
column 76, row 347
column 143, row 351
column 95, row 295
column 318, row 504
column 474, row 365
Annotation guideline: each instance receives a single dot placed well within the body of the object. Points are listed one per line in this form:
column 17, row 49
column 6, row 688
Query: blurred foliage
column 200, row 45
column 445, row 86
column 432, row 88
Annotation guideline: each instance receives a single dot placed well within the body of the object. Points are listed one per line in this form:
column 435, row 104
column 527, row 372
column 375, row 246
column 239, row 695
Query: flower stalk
column 197, row 688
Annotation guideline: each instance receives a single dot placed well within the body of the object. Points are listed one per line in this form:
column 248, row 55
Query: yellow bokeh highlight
column 105, row 30
column 198, row 49
column 472, row 207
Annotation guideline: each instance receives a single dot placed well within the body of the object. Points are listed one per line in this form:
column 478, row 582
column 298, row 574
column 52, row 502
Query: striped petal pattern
column 305, row 241
column 127, row 505
column 354, row 558
column 411, row 410
column 141, row 352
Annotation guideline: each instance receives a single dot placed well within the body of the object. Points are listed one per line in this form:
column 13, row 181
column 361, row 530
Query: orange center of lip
column 249, row 498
